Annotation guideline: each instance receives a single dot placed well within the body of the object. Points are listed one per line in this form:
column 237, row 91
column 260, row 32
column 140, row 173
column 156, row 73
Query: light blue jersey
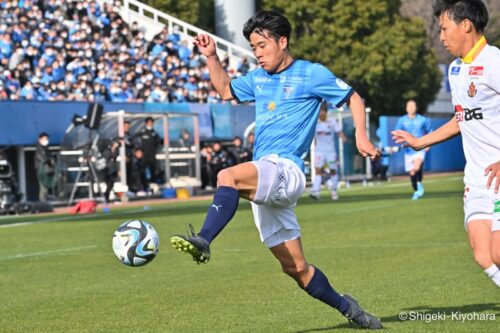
column 287, row 106
column 417, row 126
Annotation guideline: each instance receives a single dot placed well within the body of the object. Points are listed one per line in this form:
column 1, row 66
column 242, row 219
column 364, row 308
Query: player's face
column 270, row 54
column 322, row 114
column 452, row 35
column 411, row 108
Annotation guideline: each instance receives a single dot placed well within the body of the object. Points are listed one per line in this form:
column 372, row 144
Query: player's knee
column 495, row 254
column 225, row 178
column 483, row 258
column 295, row 270
column 412, row 172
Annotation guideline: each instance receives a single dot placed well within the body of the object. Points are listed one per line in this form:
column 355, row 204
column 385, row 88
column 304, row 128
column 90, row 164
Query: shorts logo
column 455, row 70
column 472, row 90
column 476, row 70
column 497, row 207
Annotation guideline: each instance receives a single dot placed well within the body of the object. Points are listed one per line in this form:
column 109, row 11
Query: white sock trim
column 492, row 270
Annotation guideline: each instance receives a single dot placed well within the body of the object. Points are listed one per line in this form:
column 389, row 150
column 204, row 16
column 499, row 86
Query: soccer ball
column 135, row 243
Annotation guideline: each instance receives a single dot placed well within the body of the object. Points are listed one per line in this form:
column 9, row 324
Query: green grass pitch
column 59, row 274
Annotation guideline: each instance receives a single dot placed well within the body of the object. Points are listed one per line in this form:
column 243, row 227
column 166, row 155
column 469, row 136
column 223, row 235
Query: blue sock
column 220, row 212
column 320, row 288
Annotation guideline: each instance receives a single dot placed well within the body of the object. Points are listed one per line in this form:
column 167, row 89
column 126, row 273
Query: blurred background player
column 293, row 90
column 418, row 126
column 475, row 90
column 325, row 153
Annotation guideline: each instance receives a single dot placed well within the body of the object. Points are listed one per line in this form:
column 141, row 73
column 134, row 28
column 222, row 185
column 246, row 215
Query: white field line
column 46, row 253
column 398, row 184
column 71, row 218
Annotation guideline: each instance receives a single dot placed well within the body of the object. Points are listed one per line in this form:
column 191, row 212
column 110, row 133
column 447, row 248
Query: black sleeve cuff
column 346, row 98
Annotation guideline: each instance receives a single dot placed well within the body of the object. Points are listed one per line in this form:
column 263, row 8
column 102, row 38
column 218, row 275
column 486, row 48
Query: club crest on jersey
column 472, row 90
column 455, row 70
column 476, row 70
column 287, row 91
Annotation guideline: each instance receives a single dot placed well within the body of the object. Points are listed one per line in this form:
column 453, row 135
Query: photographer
column 108, row 150
column 45, row 166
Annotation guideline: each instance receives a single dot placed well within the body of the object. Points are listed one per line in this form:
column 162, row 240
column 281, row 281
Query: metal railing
column 233, row 52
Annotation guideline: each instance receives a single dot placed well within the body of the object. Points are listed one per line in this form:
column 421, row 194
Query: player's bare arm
column 443, row 133
column 365, row 147
column 218, row 75
column 493, row 170
column 341, row 135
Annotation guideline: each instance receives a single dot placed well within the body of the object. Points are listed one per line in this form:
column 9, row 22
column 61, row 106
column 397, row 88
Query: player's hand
column 366, row 148
column 493, row 170
column 206, row 45
column 408, row 140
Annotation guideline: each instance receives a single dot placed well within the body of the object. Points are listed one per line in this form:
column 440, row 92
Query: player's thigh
column 332, row 162
column 319, row 160
column 243, row 177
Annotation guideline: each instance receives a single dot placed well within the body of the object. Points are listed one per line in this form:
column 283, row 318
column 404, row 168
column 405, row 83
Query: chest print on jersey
column 472, row 90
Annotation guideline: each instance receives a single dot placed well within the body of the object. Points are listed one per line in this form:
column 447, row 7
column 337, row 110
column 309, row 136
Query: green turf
column 375, row 243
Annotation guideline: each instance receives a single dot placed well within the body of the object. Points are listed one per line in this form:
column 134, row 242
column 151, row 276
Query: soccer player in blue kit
column 287, row 93
column 418, row 126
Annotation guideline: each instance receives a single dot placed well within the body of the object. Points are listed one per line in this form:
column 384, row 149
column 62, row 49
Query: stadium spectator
column 45, row 166
column 46, row 42
column 185, row 139
column 250, row 142
column 218, row 161
column 418, row 126
column 237, row 153
column 206, row 168
column 477, row 111
column 138, row 183
column 149, row 142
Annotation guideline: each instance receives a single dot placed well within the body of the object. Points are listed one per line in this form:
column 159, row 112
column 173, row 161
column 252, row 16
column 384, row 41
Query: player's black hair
column 459, row 10
column 275, row 24
column 149, row 119
column 43, row 134
column 324, row 106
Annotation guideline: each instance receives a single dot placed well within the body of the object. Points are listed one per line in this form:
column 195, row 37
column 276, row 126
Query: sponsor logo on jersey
column 271, row 106
column 262, row 79
column 455, row 70
column 472, row 90
column 497, row 207
column 342, row 84
column 465, row 114
column 476, row 70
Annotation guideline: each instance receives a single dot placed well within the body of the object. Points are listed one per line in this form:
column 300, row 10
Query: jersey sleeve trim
column 346, row 98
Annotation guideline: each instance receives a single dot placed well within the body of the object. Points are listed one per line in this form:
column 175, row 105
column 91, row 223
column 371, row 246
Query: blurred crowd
column 81, row 51
column 215, row 157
